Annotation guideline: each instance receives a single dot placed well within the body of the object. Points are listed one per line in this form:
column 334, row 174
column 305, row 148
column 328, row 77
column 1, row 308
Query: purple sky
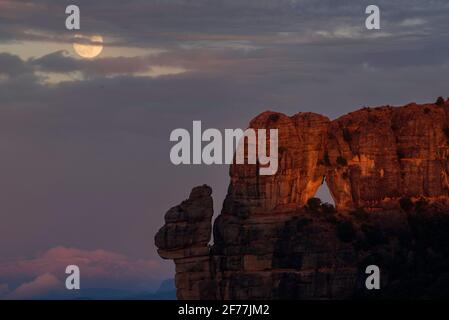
column 85, row 169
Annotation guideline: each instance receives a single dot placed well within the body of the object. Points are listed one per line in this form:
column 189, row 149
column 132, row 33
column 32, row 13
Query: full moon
column 90, row 47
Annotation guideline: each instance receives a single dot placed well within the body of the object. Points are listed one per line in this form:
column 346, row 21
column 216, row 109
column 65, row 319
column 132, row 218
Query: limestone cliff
column 387, row 170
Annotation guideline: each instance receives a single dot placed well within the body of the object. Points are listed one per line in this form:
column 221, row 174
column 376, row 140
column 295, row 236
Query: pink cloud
column 98, row 268
column 42, row 285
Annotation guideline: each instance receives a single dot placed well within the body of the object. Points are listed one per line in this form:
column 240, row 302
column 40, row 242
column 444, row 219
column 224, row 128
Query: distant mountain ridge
column 166, row 291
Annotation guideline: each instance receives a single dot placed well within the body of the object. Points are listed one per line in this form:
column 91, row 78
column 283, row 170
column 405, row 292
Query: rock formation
column 301, row 147
column 387, row 171
column 370, row 158
column 387, row 153
column 184, row 238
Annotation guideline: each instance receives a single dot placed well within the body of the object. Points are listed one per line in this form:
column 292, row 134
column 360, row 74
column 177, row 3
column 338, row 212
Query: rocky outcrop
column 370, row 158
column 301, row 146
column 295, row 255
column 379, row 155
column 185, row 238
column 387, row 170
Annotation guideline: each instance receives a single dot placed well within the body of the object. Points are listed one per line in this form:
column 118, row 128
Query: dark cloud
column 165, row 23
column 57, row 62
column 13, row 66
column 61, row 62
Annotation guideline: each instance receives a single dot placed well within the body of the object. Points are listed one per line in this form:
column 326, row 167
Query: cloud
column 60, row 66
column 38, row 287
column 351, row 33
column 150, row 23
column 62, row 62
column 412, row 22
column 58, row 61
column 13, row 66
column 34, row 277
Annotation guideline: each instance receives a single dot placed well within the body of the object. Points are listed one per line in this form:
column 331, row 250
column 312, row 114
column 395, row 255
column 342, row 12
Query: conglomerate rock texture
column 387, row 170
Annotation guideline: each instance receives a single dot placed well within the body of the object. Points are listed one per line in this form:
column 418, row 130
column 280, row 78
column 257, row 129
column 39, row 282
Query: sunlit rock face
column 269, row 244
column 301, row 143
column 370, row 158
column 382, row 154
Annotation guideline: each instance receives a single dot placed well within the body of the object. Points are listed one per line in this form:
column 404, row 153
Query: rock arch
column 370, row 158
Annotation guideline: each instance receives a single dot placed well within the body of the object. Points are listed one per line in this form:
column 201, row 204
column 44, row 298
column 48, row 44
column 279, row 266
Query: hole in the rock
column 324, row 194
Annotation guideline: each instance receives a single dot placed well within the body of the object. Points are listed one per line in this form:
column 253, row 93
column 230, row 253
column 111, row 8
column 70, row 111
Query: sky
column 84, row 143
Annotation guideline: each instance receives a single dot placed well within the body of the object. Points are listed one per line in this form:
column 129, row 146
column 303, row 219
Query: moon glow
column 89, row 47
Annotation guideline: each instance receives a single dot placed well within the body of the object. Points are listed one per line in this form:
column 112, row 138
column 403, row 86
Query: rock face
column 379, row 155
column 289, row 256
column 370, row 158
column 269, row 243
column 301, row 145
column 184, row 238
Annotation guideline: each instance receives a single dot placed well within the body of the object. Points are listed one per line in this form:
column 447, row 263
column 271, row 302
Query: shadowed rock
column 184, row 238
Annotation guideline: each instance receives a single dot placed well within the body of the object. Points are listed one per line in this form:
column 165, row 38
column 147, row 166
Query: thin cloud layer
column 61, row 63
column 166, row 23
